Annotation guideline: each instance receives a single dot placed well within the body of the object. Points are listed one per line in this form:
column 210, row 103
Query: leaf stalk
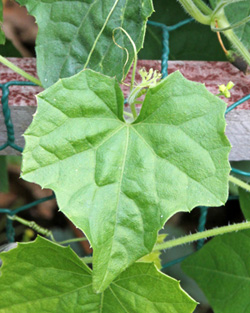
column 195, row 12
column 20, row 71
column 203, row 7
column 132, row 83
column 239, row 183
column 202, row 235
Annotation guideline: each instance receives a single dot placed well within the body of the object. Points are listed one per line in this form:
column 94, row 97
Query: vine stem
column 239, row 183
column 128, row 114
column 133, row 110
column 132, row 104
column 194, row 11
column 203, row 7
column 20, row 71
column 193, row 237
column 202, row 235
column 133, row 96
column 33, row 225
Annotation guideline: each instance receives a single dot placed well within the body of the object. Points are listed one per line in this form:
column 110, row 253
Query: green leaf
column 2, row 35
column 244, row 197
column 44, row 277
column 120, row 182
column 74, row 34
column 221, row 269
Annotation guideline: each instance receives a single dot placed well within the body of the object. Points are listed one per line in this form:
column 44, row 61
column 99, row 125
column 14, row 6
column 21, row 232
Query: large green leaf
column 73, row 34
column 236, row 12
column 221, row 269
column 44, row 277
column 120, row 182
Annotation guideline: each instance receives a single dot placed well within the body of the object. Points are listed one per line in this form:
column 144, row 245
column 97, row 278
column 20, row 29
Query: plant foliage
column 51, row 278
column 120, row 182
column 221, row 269
column 77, row 34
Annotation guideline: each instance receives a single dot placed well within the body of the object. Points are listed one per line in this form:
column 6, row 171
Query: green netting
column 10, row 141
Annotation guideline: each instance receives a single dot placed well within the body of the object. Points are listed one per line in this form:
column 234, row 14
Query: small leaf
column 72, row 33
column 244, row 197
column 44, row 277
column 120, row 182
column 221, row 269
column 154, row 256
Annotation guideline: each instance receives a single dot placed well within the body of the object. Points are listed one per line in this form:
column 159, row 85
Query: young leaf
column 74, row 34
column 44, row 277
column 221, row 269
column 120, row 182
column 244, row 197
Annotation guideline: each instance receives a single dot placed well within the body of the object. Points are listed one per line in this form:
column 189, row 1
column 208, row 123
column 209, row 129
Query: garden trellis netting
column 10, row 141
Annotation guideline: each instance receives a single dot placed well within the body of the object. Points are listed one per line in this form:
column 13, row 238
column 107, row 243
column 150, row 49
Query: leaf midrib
column 118, row 300
column 122, row 173
column 118, row 199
